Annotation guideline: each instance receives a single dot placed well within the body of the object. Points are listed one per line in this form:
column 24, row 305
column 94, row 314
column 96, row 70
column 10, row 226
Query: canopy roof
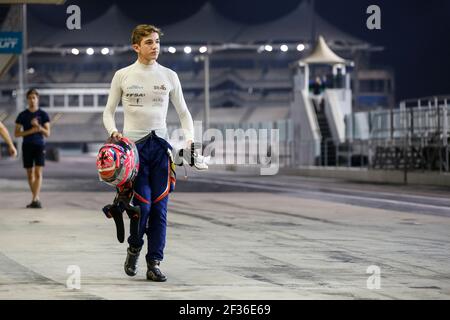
column 300, row 25
column 322, row 54
column 113, row 28
column 206, row 26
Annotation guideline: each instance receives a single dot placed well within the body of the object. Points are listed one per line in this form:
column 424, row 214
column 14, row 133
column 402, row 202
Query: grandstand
column 248, row 84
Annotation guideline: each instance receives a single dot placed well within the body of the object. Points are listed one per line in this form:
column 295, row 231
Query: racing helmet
column 118, row 162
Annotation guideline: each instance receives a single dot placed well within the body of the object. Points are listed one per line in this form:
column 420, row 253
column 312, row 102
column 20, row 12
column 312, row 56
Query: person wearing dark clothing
column 33, row 124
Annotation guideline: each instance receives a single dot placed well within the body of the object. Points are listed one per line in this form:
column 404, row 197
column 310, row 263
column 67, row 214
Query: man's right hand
column 35, row 129
column 116, row 135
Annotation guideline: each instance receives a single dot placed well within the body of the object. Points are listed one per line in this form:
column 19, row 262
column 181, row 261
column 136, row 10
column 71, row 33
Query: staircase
column 327, row 145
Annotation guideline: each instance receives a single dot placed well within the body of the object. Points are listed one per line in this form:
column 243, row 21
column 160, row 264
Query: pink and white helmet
column 118, row 162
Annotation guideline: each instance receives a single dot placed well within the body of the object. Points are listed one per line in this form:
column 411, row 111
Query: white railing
column 335, row 110
column 418, row 117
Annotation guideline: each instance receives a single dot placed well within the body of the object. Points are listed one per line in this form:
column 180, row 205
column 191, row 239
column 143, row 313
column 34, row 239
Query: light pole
column 207, row 81
column 205, row 58
column 22, row 71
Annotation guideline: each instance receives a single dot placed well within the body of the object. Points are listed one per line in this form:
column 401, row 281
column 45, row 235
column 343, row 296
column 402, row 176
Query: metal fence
column 406, row 153
column 413, row 137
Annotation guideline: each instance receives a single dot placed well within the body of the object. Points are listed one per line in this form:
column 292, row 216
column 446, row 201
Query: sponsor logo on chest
column 135, row 87
column 135, row 95
column 160, row 89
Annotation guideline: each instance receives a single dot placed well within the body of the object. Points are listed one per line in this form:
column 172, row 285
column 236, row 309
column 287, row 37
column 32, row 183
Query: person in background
column 33, row 124
column 317, row 89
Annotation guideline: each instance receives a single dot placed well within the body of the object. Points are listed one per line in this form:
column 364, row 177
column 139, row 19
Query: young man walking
column 33, row 125
column 145, row 88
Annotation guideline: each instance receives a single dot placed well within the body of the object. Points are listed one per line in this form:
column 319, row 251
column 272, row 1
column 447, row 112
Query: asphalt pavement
column 230, row 236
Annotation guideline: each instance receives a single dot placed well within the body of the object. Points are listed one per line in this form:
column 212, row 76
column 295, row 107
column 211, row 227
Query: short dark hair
column 32, row 91
column 143, row 30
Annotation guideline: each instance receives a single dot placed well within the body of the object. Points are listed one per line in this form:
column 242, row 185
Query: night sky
column 415, row 33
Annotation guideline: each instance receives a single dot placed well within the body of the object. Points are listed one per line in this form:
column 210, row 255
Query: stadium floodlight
column 90, row 51
column 31, row 70
column 172, row 49
column 301, row 47
column 203, row 49
column 75, row 51
column 284, row 48
column 268, row 47
column 187, row 50
column 105, row 51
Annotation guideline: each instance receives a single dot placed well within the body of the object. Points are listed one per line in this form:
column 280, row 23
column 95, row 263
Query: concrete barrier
column 372, row 175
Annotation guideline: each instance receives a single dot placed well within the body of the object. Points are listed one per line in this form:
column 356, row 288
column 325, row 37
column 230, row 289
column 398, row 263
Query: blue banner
column 11, row 42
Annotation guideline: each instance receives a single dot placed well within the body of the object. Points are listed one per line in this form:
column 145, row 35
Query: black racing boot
column 131, row 263
column 154, row 272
